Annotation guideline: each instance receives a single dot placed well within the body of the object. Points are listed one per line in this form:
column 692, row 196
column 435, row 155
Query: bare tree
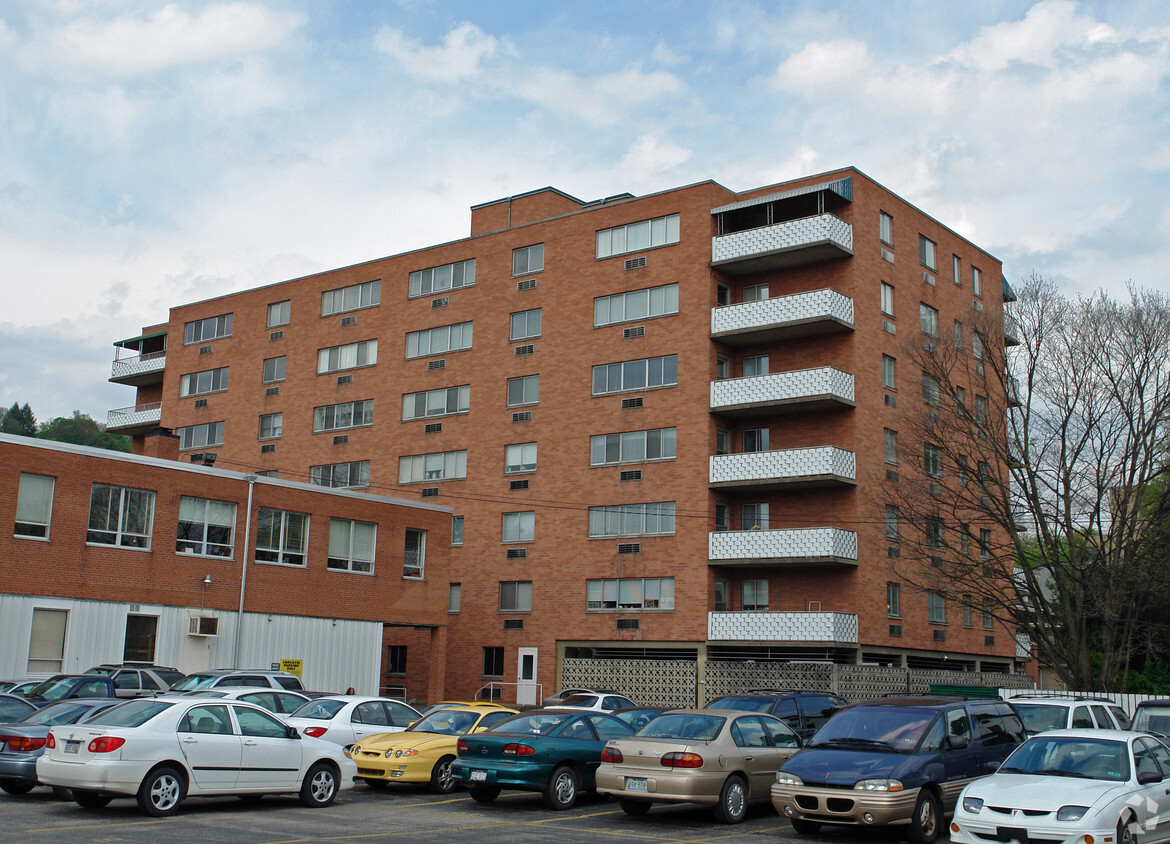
column 1043, row 484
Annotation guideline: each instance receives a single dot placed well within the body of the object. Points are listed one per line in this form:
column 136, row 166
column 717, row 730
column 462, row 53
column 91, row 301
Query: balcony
column 783, row 392
column 805, row 241
column 140, row 370
column 799, row 315
column 831, row 627
column 799, row 546
column 134, row 420
column 1011, row 331
column 1012, row 391
column 792, row 468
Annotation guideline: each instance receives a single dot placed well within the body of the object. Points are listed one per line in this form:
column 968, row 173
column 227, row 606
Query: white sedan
column 347, row 719
column 161, row 750
column 1071, row 786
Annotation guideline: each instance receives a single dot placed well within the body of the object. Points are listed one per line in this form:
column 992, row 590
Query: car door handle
column 748, row 758
column 190, row 740
column 249, row 743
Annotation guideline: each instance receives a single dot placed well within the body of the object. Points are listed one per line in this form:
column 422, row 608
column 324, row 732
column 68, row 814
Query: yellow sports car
column 424, row 751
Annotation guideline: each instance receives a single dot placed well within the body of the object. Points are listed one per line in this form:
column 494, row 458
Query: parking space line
column 116, row 825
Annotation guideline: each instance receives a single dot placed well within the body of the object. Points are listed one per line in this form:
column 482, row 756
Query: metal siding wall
column 336, row 654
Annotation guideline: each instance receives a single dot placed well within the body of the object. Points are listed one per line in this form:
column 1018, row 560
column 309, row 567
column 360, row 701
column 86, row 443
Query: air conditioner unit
column 203, row 625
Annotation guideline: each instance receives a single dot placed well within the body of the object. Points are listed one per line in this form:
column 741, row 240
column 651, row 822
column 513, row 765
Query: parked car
column 162, row 750
column 553, row 751
column 1071, row 785
column 803, row 711
column 455, row 704
column 67, row 686
column 133, row 679
column 596, row 702
column 345, row 719
column 280, row 701
column 5, row 685
column 14, row 707
column 22, row 687
column 557, row 698
column 1152, row 716
column 1055, row 712
column 424, row 751
column 22, row 742
column 721, row 758
column 894, row 761
column 639, row 716
column 228, row 678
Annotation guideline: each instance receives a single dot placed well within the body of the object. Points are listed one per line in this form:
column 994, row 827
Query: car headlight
column 784, row 778
column 972, row 805
column 878, row 785
column 357, row 748
column 1071, row 813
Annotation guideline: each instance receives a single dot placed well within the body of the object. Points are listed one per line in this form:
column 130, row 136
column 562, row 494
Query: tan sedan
column 723, row 758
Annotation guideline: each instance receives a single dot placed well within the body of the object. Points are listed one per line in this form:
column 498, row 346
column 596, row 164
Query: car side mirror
column 1147, row 777
column 991, row 767
column 957, row 742
column 291, row 732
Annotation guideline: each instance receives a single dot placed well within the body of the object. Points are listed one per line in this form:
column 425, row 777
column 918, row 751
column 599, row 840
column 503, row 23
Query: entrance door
column 526, row 676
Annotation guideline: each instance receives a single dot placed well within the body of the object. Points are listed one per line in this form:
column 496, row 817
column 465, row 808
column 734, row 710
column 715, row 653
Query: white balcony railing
column 794, row 242
column 139, row 366
column 798, row 315
column 816, row 388
column 797, row 545
column 1011, row 331
column 833, row 627
column 134, row 417
column 787, row 467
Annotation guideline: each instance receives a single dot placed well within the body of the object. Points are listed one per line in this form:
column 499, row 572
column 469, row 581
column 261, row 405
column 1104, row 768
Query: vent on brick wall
column 628, row 404
column 522, row 416
column 891, row 475
column 341, row 439
column 887, row 255
column 979, row 370
column 515, row 485
column 344, row 379
column 205, row 350
column 935, row 489
column 348, row 320
column 631, row 475
column 939, row 635
column 433, row 428
column 629, row 547
column 429, row 491
column 441, row 363
column 527, row 284
column 201, row 402
column 989, row 641
column 891, row 401
column 627, row 624
column 636, row 331
column 889, row 327
column 929, row 345
column 276, row 335
column 513, row 624
column 893, row 551
column 197, row 457
column 895, row 629
column 268, row 449
column 977, row 305
column 272, row 391
column 516, row 554
column 636, row 263
column 441, row 302
column 927, row 278
column 526, row 349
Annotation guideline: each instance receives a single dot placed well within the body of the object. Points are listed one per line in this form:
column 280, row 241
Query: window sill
column 333, row 430
column 425, row 418
column 198, row 556
column 351, row 311
column 297, row 566
column 200, row 395
column 351, row 571
column 32, row 538
column 138, row 548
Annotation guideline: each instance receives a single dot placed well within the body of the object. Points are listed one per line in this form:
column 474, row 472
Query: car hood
column 25, row 731
column 842, row 767
column 407, row 740
column 1028, row 791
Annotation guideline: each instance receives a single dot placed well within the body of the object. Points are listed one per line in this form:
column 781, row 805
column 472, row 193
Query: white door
column 526, row 676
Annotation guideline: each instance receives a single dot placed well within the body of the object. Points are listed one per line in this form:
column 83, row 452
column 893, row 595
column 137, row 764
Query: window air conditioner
column 203, row 625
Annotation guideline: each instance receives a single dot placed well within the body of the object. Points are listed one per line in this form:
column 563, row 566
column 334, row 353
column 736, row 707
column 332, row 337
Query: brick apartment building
column 661, row 422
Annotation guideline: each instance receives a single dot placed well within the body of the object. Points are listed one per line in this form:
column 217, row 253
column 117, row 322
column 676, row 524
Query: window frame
column 889, row 373
column 429, row 337
column 928, row 319
column 670, row 227
column 422, row 282
column 758, row 587
column 936, row 606
column 222, row 328
column 527, row 252
column 282, row 555
column 517, row 465
column 606, row 594
column 275, row 430
column 886, row 228
column 218, row 378
column 461, row 394
column 605, row 373
column 932, row 460
column 279, row 367
column 458, row 469
column 365, row 355
column 419, row 550
column 667, row 294
column 609, row 521
column 893, row 599
column 322, row 414
column 520, row 596
column 43, row 505
column 202, row 546
column 283, row 314
column 317, row 474
column 887, row 299
column 368, row 293
column 525, row 382
column 520, row 325
column 352, row 564
column 213, row 435
column 604, row 443
column 927, row 253
column 518, row 527
column 121, row 537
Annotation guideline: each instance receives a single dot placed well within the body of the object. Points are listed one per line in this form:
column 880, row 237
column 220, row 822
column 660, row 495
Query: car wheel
column 926, row 822
column 733, row 799
column 160, row 793
column 442, row 780
column 320, row 786
column 1126, row 830
column 634, row 807
column 562, row 789
column 805, row 827
column 377, row 785
column 90, row 799
column 484, row 793
column 17, row 786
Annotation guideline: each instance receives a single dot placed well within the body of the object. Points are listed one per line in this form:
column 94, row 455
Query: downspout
column 244, row 572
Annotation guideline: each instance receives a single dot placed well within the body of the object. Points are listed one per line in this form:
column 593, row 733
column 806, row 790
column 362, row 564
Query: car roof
column 925, row 701
column 1091, row 733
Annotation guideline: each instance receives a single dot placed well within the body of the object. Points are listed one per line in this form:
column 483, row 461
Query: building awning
column 842, row 187
column 134, row 341
column 1009, row 295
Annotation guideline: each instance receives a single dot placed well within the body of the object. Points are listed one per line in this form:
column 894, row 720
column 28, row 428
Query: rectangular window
column 446, row 401
column 722, row 594
column 985, row 543
column 349, row 356
column 279, row 313
column 352, row 298
column 928, row 316
column 722, row 517
column 891, row 522
column 932, row 460
column 201, row 383
column 632, row 519
column 887, row 299
column 977, row 282
column 977, row 345
column 493, row 662
column 634, row 593
column 414, row 553
column 205, row 330
column 282, row 536
column 454, row 597
column 635, row 375
column 930, row 389
column 516, row 596
column 456, row 530
column 341, row 475
column 936, row 607
column 271, row 425
column 438, row 279
column 754, row 517
column 46, row 643
column 206, row 527
column 967, row 611
column 886, row 228
column 637, row 304
column 890, row 441
column 934, row 533
column 351, row 545
column 646, row 234
column 754, row 595
column 528, row 259
column 438, row 466
column 519, row 457
column 988, row 615
column 438, row 341
column 120, row 516
column 519, row 527
column 755, row 440
column 958, row 335
column 396, row 659
column 888, row 372
column 273, row 370
column 525, row 325
column 632, row 447
column 980, row 411
column 755, row 292
column 722, row 367
column 926, row 252
column 956, row 270
column 894, row 600
column 523, row 390
column 755, row 365
column 965, row 538
column 722, row 441
column 961, row 397
column 338, row 417
column 34, row 506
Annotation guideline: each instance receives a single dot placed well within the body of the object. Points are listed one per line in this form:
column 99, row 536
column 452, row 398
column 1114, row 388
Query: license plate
column 478, row 776
column 635, row 784
column 1012, row 833
column 72, row 746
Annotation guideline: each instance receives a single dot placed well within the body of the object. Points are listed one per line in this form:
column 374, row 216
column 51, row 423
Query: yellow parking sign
column 293, row 666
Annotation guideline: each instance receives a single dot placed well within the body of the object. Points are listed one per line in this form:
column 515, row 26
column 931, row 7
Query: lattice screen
column 651, row 682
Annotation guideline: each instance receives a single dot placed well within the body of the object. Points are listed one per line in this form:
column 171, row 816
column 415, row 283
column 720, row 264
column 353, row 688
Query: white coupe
column 161, row 750
column 348, row 719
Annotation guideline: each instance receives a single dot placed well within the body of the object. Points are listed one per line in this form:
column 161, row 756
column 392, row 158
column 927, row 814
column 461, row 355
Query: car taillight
column 679, row 759
column 611, row 754
column 22, row 743
column 105, row 744
column 315, row 732
column 518, row 750
column 462, row 746
column 51, row 742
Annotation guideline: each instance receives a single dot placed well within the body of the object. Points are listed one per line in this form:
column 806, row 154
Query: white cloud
column 460, row 57
column 651, row 156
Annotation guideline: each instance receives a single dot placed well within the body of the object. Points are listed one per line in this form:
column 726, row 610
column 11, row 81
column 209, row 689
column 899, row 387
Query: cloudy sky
column 154, row 153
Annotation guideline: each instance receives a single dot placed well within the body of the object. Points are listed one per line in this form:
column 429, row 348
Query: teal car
column 553, row 751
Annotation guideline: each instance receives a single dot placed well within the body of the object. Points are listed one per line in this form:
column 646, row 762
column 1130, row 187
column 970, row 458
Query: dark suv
column 68, row 686
column 803, row 711
column 895, row 761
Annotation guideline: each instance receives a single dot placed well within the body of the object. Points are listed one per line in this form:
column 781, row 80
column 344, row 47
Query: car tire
column 17, row 786
column 562, row 789
column 161, row 792
column 635, row 808
column 484, row 793
column 319, row 786
column 90, row 799
column 442, row 779
column 927, row 821
column 805, row 827
column 733, row 801
column 375, row 784
column 1126, row 830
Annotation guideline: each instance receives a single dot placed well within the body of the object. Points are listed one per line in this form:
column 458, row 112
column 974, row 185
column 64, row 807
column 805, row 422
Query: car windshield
column 637, row 718
column 579, row 700
column 446, row 722
column 684, row 726
column 322, row 709
column 52, row 689
column 192, row 682
column 1070, row 756
column 205, row 693
column 65, row 712
column 751, row 704
column 880, row 727
column 1039, row 717
column 102, row 671
column 534, row 723
column 1152, row 719
column 132, row 713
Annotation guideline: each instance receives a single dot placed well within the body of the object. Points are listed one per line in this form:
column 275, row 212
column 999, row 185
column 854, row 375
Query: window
column 351, row 298
column 205, row 527
column 632, row 519
column 138, row 646
column 341, row 475
column 722, row 517
column 200, row 436
column 635, row 593
column 926, row 252
column 891, row 522
column 279, row 313
column 446, row 401
column 722, row 367
column 891, row 445
column 493, row 662
column 519, row 527
column 273, row 370
column 755, row 292
column 525, row 325
column 936, row 607
column 414, row 553
column 755, row 440
column 351, row 545
column 456, row 530
column 934, row 533
column 519, row 457
column 887, row 299
column 932, row 460
column 337, row 417
column 886, row 228
column 528, row 259
column 980, row 411
column 965, row 538
column 632, row 447
column 515, row 596
column 754, row 595
column 350, row 356
column 928, row 316
column 46, row 643
column 438, row 341
column 646, row 234
column 956, row 270
column 271, row 425
column 967, row 611
column 34, row 506
column 200, row 383
column 120, row 516
column 961, row 397
column 962, row 469
column 438, row 466
column 888, row 372
column 635, row 375
column 282, row 536
column 523, row 390
column 977, row 345
column 722, row 441
column 637, row 304
column 930, row 389
column 755, row 365
column 985, row 543
column 988, row 615
column 958, row 335
column 977, row 282
column 454, row 597
column 894, row 600
column 754, row 517
column 205, row 330
column 396, row 659
column 447, row 277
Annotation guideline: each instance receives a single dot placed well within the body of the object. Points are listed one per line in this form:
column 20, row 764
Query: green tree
column 80, row 429
column 19, row 421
